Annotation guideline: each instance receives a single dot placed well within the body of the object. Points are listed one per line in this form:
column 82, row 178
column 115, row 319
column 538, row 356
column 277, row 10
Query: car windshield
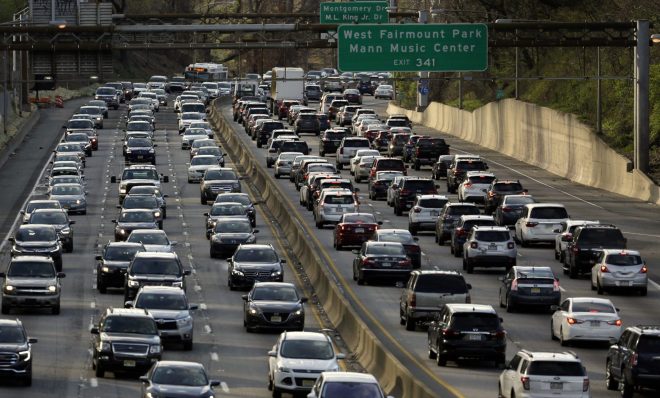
column 431, row 142
column 346, row 389
column 390, row 250
column 227, row 210
column 434, row 283
column 203, row 161
column 28, row 269
column 148, row 238
column 36, row 234
column 623, row 259
column 242, row 199
column 404, row 238
column 139, row 126
column 129, row 324
column 493, row 236
column 549, row 213
column 265, row 255
column 209, row 151
column 593, row 307
column 201, row 143
column 555, row 368
column 121, row 253
column 179, row 376
column 139, row 142
column 233, row 227
column 360, row 218
column 136, row 216
column 155, row 301
column 275, row 293
column 307, row 349
column 474, row 321
column 77, row 138
column 432, row 203
column 155, row 266
column 53, row 218
column 10, row 334
column 32, row 206
column 140, row 202
column 139, row 175
column 220, row 175
column 106, row 91
column 339, row 200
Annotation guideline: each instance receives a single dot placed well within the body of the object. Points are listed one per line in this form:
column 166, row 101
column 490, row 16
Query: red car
column 354, row 228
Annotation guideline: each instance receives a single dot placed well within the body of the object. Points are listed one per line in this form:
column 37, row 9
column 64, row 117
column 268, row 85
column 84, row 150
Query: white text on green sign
column 354, row 12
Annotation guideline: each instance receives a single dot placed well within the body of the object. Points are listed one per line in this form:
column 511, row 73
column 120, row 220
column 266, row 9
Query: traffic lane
column 535, row 256
column 59, row 358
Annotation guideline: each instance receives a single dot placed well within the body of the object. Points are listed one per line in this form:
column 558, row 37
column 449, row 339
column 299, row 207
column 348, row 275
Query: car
column 154, row 269
column 284, row 162
column 403, row 236
column 383, row 163
column 531, row 286
column 353, row 96
column 37, row 240
column 473, row 188
column 187, row 118
column 131, row 219
column 224, row 210
column 170, row 308
column 217, row 180
column 396, row 144
column 332, row 204
column 353, row 229
column 109, row 95
column 462, row 229
column 189, row 379
column 134, row 202
column 254, row 263
column 228, row 233
column 264, row 129
column 498, row 190
column 585, row 319
column 198, row 166
column 585, row 245
column 96, row 113
column 424, row 212
column 214, row 151
column 382, row 260
column 489, row 247
column 564, row 234
column 542, row 374
column 631, row 362
column 273, row 149
column 153, row 240
column 347, row 149
column 384, row 91
column 72, row 197
column 31, row 282
column 35, row 204
column 199, row 143
column 458, row 169
column 346, row 384
column 243, row 199
column 191, row 135
column 138, row 175
column 16, row 344
column 203, row 125
column 297, row 360
column 427, row 291
column 112, row 263
column 617, row 269
column 150, row 190
column 509, row 209
column 448, row 218
column 466, row 331
column 427, row 150
column 273, row 306
column 538, row 223
column 355, row 160
column 407, row 190
column 58, row 218
column 313, row 92
column 379, row 185
column 307, row 123
column 125, row 339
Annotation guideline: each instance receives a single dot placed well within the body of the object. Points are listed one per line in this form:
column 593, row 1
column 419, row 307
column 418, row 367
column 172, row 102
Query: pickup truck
column 347, row 149
column 427, row 151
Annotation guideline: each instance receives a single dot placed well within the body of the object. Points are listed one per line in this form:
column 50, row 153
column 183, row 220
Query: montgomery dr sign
column 412, row 47
column 354, row 12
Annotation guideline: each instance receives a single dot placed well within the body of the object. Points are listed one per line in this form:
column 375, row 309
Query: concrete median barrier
column 555, row 141
column 395, row 378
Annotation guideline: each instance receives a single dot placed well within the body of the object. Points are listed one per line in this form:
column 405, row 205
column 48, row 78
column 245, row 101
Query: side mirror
column 61, row 275
column 525, row 190
column 304, row 299
column 32, row 340
column 174, row 243
column 113, row 180
column 355, row 251
column 272, row 354
column 567, row 238
column 128, row 304
column 166, row 179
column 2, row 274
column 98, row 257
column 214, row 383
column 144, row 379
column 206, row 214
column 113, row 221
column 94, row 330
column 500, row 278
column 341, row 355
column 554, row 307
column 381, row 223
column 283, row 261
column 193, row 307
column 187, row 272
column 256, row 231
column 155, row 145
column 501, row 319
column 469, row 286
column 244, row 297
column 118, row 206
column 22, row 211
column 11, row 239
column 72, row 222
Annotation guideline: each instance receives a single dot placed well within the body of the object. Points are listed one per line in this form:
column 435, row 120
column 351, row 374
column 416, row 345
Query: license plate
column 475, row 337
column 434, row 213
column 129, row 364
column 387, row 264
column 308, row 382
column 536, row 290
column 140, row 157
column 556, row 386
column 359, row 230
column 594, row 323
column 276, row 319
column 492, row 246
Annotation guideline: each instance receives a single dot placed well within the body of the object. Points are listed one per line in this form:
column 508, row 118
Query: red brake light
column 417, row 209
column 514, row 285
column 585, row 385
column 405, row 192
column 474, row 245
column 525, row 382
column 555, row 286
column 449, row 333
column 531, row 224
column 510, row 245
column 506, row 209
column 633, row 360
column 603, row 268
column 618, row 322
column 412, row 300
column 467, row 184
column 461, row 232
column 573, row 321
column 644, row 269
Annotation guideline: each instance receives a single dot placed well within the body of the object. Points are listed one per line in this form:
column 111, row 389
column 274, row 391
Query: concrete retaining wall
column 393, row 376
column 555, row 141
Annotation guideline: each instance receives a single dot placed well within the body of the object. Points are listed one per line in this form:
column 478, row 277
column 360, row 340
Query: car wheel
column 188, row 345
column 397, row 210
column 562, row 340
column 552, row 332
column 599, row 288
column 358, row 179
column 593, row 287
column 319, row 224
column 360, row 280
column 556, row 255
column 5, row 309
column 69, row 247
column 99, row 371
column 432, row 354
column 441, row 239
column 101, row 287
column 626, row 389
column 212, row 252
column 410, row 323
column 202, row 199
column 572, row 272
column 277, row 393
column 510, row 306
column 440, row 360
column 457, row 252
column 413, row 229
column 610, row 383
column 643, row 291
column 470, row 267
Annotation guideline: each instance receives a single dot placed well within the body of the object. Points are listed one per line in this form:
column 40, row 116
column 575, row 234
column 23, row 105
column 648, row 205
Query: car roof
column 467, row 217
column 392, row 231
column 435, row 272
column 180, row 363
column 537, row 205
column 350, row 377
column 128, row 312
column 124, row 244
column 313, row 336
column 565, row 356
column 591, row 300
column 453, row 307
column 31, row 258
column 163, row 290
column 622, row 252
column 490, row 228
column 156, row 254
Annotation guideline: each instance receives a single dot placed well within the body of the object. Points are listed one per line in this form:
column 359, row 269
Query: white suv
column 424, row 212
column 474, row 187
column 538, row 222
column 346, row 384
column 332, row 204
column 298, row 359
column 544, row 374
column 489, row 247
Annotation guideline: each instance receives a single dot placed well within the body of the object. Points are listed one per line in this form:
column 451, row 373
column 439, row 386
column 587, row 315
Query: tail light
column 467, row 184
column 491, row 194
column 405, row 263
column 417, row 151
column 417, row 209
column 474, row 245
column 576, row 249
column 341, row 150
column 461, row 232
column 368, row 263
column 555, row 286
column 603, row 268
column 414, row 249
column 499, row 335
column 531, row 224
column 405, row 192
column 525, row 382
column 644, row 269
column 585, row 385
column 633, row 360
column 506, row 209
column 514, row 285
column 618, row 322
column 574, row 321
column 449, row 333
column 510, row 245
column 412, row 300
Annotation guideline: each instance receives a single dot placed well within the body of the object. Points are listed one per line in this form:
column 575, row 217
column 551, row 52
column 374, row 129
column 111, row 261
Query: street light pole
column 422, row 86
column 641, row 131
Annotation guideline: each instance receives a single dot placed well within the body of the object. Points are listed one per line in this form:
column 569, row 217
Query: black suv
column 15, row 351
column 529, row 286
column 112, row 263
column 140, row 150
column 265, row 130
column 631, row 362
column 125, row 340
column 427, row 151
column 404, row 195
column 154, row 269
column 458, row 170
column 467, row 331
column 330, row 140
column 37, row 240
column 587, row 243
column 497, row 190
column 307, row 123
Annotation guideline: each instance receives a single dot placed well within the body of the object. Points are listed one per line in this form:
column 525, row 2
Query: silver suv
column 332, row 204
column 489, row 247
column 31, row 281
column 424, row 212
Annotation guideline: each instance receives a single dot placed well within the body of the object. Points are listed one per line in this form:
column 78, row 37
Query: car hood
column 308, row 364
column 258, row 266
column 137, row 225
column 181, row 391
column 13, row 347
column 31, row 281
column 158, row 248
column 169, row 314
column 130, row 338
column 142, row 181
column 156, row 278
column 118, row 264
column 232, row 236
column 201, row 167
column 35, row 244
column 276, row 306
column 221, row 181
column 66, row 197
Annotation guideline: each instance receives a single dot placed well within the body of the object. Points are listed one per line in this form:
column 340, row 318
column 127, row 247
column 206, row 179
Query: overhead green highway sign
column 354, row 12
column 412, row 47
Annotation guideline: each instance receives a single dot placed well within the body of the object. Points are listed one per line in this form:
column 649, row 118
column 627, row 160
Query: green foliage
column 9, row 7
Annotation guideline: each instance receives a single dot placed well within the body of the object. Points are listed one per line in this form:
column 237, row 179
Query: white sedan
column 384, row 91
column 199, row 164
column 585, row 319
column 355, row 161
column 474, row 187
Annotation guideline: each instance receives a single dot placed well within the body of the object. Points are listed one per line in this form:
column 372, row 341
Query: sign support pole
column 423, row 91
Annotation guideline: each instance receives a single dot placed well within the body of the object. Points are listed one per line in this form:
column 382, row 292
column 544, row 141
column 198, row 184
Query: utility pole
column 423, row 85
column 641, row 125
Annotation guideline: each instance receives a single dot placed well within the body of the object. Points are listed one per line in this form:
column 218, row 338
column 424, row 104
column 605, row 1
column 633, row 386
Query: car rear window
column 357, row 143
column 453, row 284
column 474, row 321
column 481, row 179
column 520, row 200
column 555, row 368
column 419, row 184
column 431, row 142
column 462, row 210
column 468, row 165
column 334, row 136
column 433, row 203
column 606, row 237
column 339, row 199
column 493, row 236
column 649, row 344
column 401, row 138
column 551, row 213
column 508, row 187
column 392, row 250
column 468, row 225
column 294, row 146
column 390, row 164
column 360, row 218
column 593, row 307
column 623, row 259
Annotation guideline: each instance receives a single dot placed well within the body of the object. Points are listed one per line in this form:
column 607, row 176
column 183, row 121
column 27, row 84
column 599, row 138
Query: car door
column 272, row 361
column 434, row 327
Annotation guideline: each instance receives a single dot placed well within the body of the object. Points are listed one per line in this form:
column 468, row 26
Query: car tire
column 212, row 253
column 469, row 267
column 69, row 247
column 358, row 179
column 457, row 252
column 441, row 360
column 413, row 229
column 593, row 287
column 397, row 210
column 610, row 383
column 5, row 309
column 552, row 332
column 230, row 284
column 510, row 306
column 339, row 166
column 643, row 291
column 410, row 323
column 556, row 255
column 572, row 272
column 626, row 389
column 319, row 224
column 101, row 287
column 202, row 199
column 277, row 393
column 188, row 345
column 99, row 371
column 562, row 341
column 360, row 281
column 599, row 289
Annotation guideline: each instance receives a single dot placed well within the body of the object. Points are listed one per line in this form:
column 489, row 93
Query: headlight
column 236, row 185
column 276, row 273
column 299, row 312
column 66, row 231
column 25, row 355
column 177, row 284
column 237, row 272
column 151, row 150
column 122, row 190
column 105, row 269
column 157, row 214
column 54, row 248
column 184, row 321
column 104, row 346
column 122, row 231
column 254, row 310
column 152, row 395
column 154, row 349
column 52, row 289
column 132, row 283
column 78, row 201
column 283, row 369
column 9, row 289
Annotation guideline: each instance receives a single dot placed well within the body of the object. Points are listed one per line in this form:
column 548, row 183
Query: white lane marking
column 208, row 329
column 637, row 233
column 215, row 357
column 225, row 387
column 93, row 382
column 202, row 306
column 654, row 284
column 92, row 305
column 537, row 181
column 561, row 289
column 198, row 288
